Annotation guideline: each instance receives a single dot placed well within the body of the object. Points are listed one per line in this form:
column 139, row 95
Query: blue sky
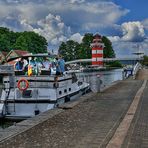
column 124, row 22
column 138, row 9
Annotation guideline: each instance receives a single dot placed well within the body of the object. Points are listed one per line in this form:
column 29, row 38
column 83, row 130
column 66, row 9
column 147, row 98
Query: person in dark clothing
column 19, row 64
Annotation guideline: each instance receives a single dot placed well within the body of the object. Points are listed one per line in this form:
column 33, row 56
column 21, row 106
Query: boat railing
column 6, row 69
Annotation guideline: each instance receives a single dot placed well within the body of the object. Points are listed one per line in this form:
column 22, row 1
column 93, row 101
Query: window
column 27, row 94
column 60, row 92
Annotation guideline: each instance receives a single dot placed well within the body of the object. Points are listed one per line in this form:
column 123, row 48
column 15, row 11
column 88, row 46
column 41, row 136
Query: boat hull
column 23, row 109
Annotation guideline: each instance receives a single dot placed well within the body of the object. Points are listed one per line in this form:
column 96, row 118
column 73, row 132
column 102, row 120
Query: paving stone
column 138, row 132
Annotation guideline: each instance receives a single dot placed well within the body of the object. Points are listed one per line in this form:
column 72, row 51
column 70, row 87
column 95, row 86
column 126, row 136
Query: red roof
column 12, row 62
column 97, row 36
column 21, row 52
column 4, row 53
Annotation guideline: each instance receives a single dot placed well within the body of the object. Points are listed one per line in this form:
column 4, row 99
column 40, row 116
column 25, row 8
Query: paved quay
column 90, row 122
column 137, row 136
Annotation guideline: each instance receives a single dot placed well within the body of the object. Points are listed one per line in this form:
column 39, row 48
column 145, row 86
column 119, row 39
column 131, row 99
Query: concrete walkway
column 89, row 123
column 137, row 136
column 142, row 74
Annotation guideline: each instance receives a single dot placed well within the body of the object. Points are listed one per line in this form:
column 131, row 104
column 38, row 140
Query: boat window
column 60, row 92
column 19, row 72
column 27, row 94
column 80, row 83
column 65, row 90
column 69, row 89
column 45, row 72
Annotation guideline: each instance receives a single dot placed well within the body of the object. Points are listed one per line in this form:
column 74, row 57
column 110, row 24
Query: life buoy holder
column 23, row 84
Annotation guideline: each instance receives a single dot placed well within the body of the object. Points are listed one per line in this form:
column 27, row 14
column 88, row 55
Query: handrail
column 136, row 69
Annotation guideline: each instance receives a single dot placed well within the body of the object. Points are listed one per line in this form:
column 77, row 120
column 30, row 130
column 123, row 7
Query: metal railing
column 6, row 69
column 107, row 60
column 136, row 69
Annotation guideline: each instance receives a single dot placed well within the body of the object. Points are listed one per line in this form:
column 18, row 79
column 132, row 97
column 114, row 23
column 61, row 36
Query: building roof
column 4, row 53
column 97, row 36
column 21, row 52
column 16, row 54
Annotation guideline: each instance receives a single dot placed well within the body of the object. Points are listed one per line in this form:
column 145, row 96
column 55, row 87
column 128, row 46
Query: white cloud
column 124, row 49
column 133, row 31
column 77, row 1
column 25, row 25
column 75, row 13
column 91, row 15
column 53, row 29
column 145, row 23
column 114, row 38
column 76, row 37
column 132, row 40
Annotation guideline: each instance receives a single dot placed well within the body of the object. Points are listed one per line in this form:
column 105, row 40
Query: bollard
column 95, row 83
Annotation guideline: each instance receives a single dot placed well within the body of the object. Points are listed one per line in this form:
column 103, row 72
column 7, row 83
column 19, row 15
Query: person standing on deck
column 19, row 65
column 46, row 64
column 60, row 65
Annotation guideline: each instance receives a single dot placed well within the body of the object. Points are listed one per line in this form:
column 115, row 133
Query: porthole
column 60, row 92
column 65, row 90
column 69, row 89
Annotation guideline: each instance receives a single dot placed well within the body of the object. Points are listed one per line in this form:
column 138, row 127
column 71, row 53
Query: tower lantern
column 97, row 51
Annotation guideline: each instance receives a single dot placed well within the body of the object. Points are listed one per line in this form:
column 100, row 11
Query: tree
column 73, row 50
column 108, row 51
column 145, row 60
column 114, row 64
column 4, row 39
column 69, row 50
column 85, row 45
column 29, row 41
column 4, row 30
column 4, row 43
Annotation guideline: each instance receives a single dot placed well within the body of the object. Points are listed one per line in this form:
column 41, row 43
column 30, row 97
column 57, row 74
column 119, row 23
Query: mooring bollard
column 95, row 83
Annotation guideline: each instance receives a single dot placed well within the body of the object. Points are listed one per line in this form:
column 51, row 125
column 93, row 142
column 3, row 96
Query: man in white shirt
column 46, row 64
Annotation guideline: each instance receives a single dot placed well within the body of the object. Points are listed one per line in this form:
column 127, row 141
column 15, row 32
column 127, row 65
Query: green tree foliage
column 85, row 45
column 4, row 39
column 108, row 51
column 4, row 43
column 29, row 41
column 4, row 30
column 73, row 50
column 145, row 60
column 69, row 50
column 114, row 64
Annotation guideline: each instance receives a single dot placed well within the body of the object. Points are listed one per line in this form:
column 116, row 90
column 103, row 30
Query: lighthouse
column 97, row 51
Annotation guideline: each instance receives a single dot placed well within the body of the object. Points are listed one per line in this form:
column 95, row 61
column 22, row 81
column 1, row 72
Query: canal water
column 106, row 77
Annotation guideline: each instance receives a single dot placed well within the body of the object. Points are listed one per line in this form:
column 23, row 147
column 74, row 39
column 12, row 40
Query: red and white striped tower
column 97, row 51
